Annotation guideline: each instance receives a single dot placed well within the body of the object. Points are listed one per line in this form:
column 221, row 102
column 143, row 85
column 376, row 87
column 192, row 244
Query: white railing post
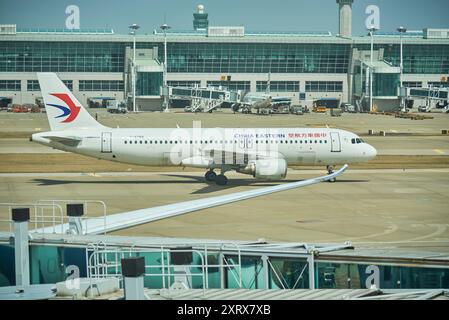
column 133, row 270
column 75, row 211
column 21, row 216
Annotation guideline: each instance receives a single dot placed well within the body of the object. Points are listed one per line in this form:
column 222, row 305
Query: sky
column 255, row 15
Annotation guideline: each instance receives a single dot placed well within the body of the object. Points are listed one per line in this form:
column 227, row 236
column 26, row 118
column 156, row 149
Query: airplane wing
column 130, row 219
column 68, row 141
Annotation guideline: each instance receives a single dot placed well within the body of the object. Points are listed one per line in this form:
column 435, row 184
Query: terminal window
column 33, row 85
column 324, row 86
column 10, row 85
column 437, row 84
column 48, row 56
column 258, row 58
column 278, row 86
column 418, row 58
column 231, row 85
column 187, row 83
column 101, row 85
column 412, row 84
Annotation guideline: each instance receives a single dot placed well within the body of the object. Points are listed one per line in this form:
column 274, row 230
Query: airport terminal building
column 96, row 64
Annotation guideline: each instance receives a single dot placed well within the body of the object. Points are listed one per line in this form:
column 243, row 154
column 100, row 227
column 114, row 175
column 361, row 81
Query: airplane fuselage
column 264, row 153
column 167, row 147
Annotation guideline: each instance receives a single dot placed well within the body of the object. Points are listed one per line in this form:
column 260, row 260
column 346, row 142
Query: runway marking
column 93, row 174
column 439, row 151
column 408, row 190
column 392, row 228
column 438, row 240
column 440, row 228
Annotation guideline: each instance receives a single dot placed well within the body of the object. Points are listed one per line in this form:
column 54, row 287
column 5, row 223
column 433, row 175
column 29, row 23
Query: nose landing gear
column 330, row 170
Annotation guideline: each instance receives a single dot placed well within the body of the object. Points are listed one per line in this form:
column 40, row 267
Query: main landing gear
column 330, row 170
column 220, row 179
column 210, row 175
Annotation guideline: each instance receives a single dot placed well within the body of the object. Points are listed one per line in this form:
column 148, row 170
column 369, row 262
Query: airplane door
column 246, row 143
column 335, row 142
column 106, row 142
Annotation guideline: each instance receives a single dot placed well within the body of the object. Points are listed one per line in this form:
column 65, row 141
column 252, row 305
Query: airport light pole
column 401, row 30
column 134, row 29
column 164, row 28
column 371, row 32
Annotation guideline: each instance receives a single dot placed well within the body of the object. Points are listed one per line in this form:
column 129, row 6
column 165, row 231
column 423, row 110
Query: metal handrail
column 85, row 203
column 221, row 248
column 38, row 219
column 98, row 263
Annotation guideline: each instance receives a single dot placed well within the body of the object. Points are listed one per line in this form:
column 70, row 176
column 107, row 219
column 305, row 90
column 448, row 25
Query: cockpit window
column 357, row 140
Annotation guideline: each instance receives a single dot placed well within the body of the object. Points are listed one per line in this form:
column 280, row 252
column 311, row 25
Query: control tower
column 200, row 21
column 345, row 17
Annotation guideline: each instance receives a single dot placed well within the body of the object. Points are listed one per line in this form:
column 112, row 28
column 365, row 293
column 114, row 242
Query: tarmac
column 400, row 203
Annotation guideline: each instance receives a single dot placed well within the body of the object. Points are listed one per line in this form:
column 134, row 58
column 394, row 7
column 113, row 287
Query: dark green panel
column 149, row 83
column 48, row 264
column 354, row 276
column 289, row 273
column 385, row 84
column 7, row 266
column 252, row 273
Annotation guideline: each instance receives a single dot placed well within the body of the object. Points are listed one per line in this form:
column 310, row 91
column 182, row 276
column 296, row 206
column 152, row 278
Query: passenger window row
column 221, row 141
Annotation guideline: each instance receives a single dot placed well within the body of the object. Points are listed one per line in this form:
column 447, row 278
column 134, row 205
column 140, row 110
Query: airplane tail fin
column 64, row 111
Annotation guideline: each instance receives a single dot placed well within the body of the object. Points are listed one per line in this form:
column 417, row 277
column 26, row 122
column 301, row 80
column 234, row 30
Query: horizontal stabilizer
column 68, row 141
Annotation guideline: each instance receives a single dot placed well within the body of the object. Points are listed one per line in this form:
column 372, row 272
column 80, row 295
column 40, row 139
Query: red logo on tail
column 73, row 109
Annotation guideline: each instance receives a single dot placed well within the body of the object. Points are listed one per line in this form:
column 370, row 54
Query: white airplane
column 264, row 153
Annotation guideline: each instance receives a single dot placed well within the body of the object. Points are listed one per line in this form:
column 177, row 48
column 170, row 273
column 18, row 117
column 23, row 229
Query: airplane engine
column 270, row 169
column 197, row 162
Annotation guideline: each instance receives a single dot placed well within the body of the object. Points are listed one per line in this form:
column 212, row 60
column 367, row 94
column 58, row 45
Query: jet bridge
column 204, row 99
column 435, row 93
column 430, row 95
